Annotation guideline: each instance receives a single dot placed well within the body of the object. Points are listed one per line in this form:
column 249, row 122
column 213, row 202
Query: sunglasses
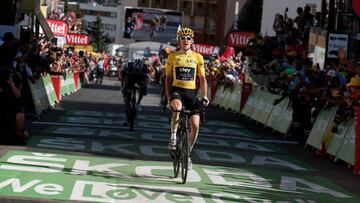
column 187, row 38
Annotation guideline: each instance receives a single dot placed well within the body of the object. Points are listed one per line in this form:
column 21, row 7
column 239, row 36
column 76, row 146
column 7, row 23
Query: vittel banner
column 205, row 49
column 239, row 39
column 77, row 39
column 59, row 28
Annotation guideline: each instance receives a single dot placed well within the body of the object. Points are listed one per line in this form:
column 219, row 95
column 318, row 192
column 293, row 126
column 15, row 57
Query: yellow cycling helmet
column 185, row 31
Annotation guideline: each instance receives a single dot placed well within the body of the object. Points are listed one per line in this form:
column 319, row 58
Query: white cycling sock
column 173, row 134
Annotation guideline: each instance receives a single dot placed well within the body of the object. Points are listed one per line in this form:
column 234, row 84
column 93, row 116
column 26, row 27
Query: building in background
column 18, row 14
column 211, row 20
column 111, row 14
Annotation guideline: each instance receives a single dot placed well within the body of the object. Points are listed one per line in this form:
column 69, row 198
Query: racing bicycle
column 182, row 151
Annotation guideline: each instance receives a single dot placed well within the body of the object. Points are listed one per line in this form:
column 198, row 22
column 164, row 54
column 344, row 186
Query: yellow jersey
column 183, row 68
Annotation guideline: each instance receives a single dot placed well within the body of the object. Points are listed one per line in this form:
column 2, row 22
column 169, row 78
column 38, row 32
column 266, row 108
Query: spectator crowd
column 23, row 62
column 284, row 57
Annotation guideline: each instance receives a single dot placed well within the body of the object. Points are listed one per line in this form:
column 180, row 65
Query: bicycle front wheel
column 176, row 162
column 132, row 112
column 185, row 151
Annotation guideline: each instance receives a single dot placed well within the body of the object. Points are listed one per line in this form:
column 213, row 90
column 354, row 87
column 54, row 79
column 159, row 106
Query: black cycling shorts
column 187, row 97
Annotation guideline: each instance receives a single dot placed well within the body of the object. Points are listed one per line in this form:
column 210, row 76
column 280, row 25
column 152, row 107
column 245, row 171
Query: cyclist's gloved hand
column 205, row 101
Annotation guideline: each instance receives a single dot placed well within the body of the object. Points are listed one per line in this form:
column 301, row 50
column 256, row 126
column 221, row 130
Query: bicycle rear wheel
column 132, row 111
column 184, row 155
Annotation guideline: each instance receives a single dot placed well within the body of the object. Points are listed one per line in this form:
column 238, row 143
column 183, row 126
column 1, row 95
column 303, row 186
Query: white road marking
column 165, row 131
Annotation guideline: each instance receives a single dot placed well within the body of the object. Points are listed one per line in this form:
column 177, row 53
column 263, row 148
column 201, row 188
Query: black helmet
column 138, row 65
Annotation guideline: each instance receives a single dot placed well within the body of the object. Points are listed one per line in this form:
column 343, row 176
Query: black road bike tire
column 177, row 154
column 132, row 111
column 176, row 163
column 184, row 155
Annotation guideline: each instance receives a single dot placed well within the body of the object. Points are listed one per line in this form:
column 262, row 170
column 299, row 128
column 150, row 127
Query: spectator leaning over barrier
column 11, row 110
column 354, row 102
column 8, row 51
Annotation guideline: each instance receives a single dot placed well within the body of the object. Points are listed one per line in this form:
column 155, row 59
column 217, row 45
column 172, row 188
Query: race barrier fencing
column 49, row 87
column 56, row 81
column 47, row 90
column 39, row 96
column 260, row 108
column 321, row 127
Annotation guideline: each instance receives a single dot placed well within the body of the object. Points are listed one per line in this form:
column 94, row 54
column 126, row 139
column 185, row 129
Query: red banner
column 357, row 143
column 56, row 81
column 356, row 7
column 59, row 28
column 239, row 39
column 204, row 49
column 76, row 80
column 213, row 85
column 77, row 39
column 245, row 93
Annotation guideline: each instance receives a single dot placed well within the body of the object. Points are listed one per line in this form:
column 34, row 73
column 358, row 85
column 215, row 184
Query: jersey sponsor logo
column 190, row 61
column 185, row 73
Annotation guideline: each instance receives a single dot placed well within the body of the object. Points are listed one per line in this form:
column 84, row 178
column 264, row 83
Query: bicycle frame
column 132, row 109
column 182, row 152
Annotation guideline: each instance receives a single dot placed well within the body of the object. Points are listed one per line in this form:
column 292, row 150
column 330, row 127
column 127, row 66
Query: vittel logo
column 59, row 28
column 203, row 49
column 239, row 39
column 76, row 39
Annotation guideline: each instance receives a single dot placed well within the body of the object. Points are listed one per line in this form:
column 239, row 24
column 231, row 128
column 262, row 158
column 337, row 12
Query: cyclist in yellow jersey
column 182, row 67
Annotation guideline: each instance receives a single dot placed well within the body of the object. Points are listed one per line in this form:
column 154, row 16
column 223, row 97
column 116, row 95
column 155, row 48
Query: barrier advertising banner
column 347, row 149
column 56, row 81
column 340, row 137
column 63, row 87
column 249, row 106
column 281, row 117
column 219, row 95
column 246, row 90
column 50, row 90
column 320, row 127
column 39, row 95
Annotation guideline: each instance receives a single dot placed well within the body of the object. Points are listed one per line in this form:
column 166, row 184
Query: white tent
column 136, row 50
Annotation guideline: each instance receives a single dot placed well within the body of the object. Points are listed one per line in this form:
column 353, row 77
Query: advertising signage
column 335, row 43
column 77, row 39
column 205, row 49
column 239, row 39
column 148, row 24
column 59, row 28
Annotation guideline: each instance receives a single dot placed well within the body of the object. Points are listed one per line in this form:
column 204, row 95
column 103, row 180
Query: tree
column 79, row 13
column 249, row 18
column 99, row 39
column 66, row 6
